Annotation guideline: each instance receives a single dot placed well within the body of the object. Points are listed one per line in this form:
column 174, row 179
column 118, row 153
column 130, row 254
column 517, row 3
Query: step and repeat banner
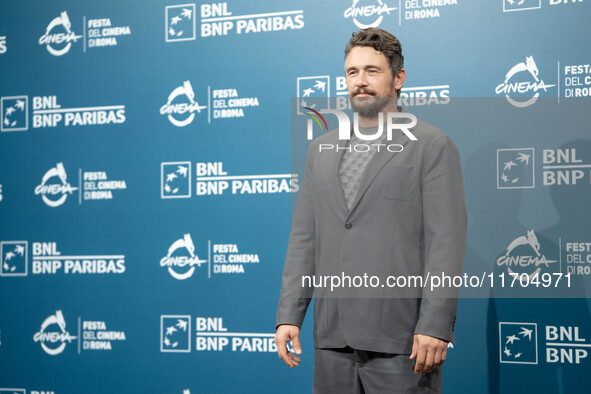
column 146, row 184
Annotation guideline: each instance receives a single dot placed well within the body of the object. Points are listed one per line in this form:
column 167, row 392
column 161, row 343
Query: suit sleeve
column 444, row 225
column 300, row 260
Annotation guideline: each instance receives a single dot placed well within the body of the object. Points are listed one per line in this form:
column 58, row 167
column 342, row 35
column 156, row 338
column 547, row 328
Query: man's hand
column 429, row 352
column 286, row 333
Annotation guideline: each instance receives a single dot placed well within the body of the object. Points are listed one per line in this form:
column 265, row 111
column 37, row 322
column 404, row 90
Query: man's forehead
column 364, row 56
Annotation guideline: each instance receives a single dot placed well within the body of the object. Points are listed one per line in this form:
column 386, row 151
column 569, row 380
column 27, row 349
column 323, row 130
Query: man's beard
column 369, row 107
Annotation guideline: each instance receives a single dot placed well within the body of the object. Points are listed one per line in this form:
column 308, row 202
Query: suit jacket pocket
column 399, row 182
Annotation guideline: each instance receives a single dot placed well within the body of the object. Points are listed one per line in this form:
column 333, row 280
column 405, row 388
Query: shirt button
column 348, row 225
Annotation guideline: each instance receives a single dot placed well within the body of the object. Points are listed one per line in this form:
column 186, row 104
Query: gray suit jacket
column 409, row 218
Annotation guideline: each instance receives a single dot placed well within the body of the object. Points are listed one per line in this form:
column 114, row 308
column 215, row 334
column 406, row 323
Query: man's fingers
column 437, row 358
column 282, row 351
column 420, row 360
column 297, row 346
column 415, row 348
column 429, row 360
column 295, row 361
column 284, row 335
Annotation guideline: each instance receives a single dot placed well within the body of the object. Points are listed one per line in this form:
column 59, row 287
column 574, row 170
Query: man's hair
column 381, row 41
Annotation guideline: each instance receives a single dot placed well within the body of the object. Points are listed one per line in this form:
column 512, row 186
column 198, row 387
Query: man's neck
column 367, row 122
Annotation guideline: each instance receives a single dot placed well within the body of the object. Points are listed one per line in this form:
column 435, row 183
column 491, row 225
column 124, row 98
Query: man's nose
column 361, row 80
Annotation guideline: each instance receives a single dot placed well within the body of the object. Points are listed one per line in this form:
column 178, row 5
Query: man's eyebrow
column 364, row 67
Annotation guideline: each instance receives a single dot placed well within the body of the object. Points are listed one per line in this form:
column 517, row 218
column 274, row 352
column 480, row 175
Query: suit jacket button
column 348, row 225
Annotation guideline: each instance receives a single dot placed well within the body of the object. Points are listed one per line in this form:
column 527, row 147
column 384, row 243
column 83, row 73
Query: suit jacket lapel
column 336, row 165
column 377, row 162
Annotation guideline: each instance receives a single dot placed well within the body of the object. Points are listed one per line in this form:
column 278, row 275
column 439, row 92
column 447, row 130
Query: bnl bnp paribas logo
column 524, row 5
column 14, row 113
column 180, row 22
column 515, row 168
column 518, row 344
column 312, row 91
column 522, row 84
column 210, row 334
column 218, row 20
column 211, row 179
column 560, row 167
column 14, row 255
column 46, row 259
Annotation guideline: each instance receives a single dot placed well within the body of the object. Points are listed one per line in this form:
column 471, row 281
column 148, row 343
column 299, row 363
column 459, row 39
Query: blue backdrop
column 146, row 184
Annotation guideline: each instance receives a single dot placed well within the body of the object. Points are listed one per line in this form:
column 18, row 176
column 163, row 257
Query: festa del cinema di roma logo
column 368, row 13
column 59, row 32
column 53, row 341
column 54, row 188
column 181, row 113
column 522, row 81
column 176, row 258
column 516, row 255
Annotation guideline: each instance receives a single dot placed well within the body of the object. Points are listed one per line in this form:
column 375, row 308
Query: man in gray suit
column 397, row 213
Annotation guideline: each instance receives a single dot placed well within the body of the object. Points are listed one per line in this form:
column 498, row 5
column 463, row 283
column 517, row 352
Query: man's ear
column 399, row 79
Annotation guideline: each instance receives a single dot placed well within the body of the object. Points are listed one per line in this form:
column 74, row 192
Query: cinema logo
column 522, row 84
column 181, row 260
column 181, row 106
column 523, row 257
column 55, row 188
column 210, row 336
column 58, row 37
column 92, row 335
column 217, row 20
column 518, row 344
column 53, row 335
column 98, row 32
column 368, row 13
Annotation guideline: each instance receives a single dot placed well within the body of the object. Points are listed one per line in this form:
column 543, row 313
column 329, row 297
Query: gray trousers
column 344, row 371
